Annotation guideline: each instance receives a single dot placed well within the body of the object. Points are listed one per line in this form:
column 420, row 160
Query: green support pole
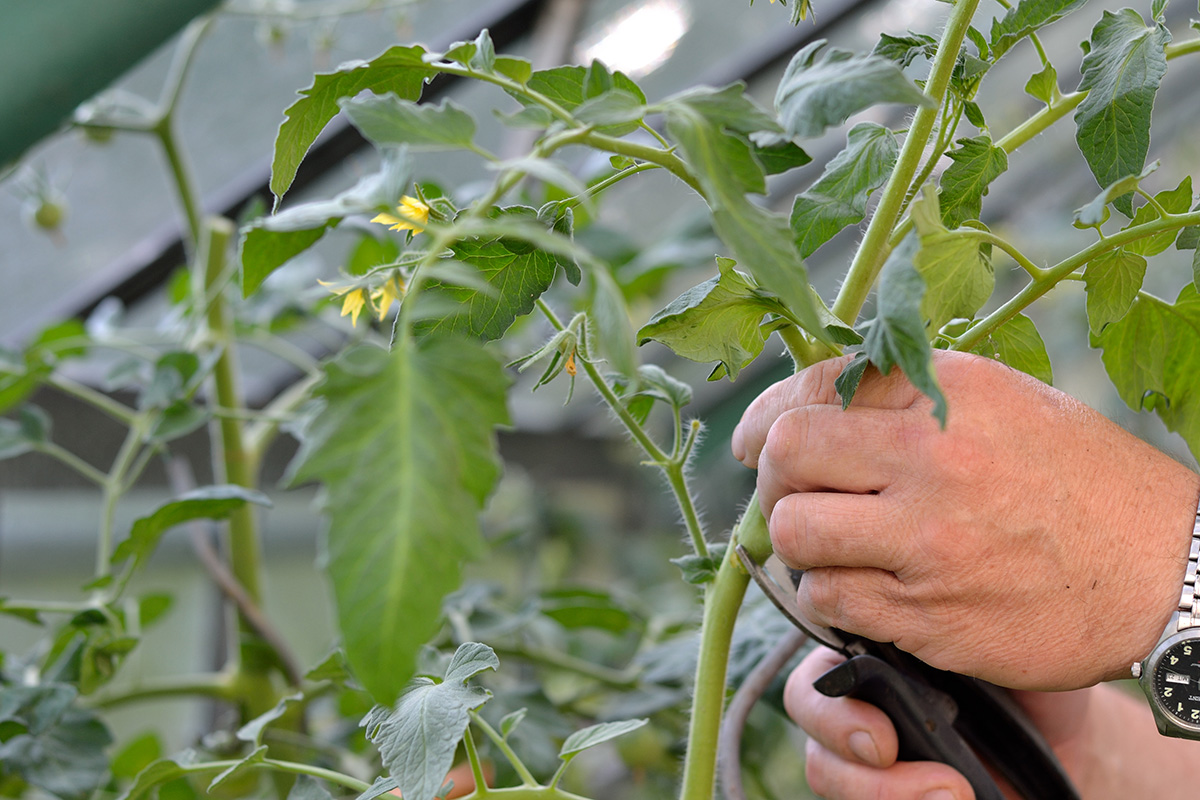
column 55, row 55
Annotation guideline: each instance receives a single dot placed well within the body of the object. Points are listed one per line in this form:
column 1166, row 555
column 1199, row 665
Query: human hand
column 1032, row 543
column 1104, row 738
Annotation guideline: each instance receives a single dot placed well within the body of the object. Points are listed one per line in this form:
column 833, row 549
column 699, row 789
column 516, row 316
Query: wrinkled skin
column 1032, row 543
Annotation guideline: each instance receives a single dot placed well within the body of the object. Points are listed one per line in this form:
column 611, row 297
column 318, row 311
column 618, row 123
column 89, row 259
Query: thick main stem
column 232, row 462
column 874, row 248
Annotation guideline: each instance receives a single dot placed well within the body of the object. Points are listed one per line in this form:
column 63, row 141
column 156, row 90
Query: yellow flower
column 353, row 300
column 414, row 215
column 385, row 295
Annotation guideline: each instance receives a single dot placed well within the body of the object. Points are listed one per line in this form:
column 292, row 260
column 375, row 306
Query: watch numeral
column 1167, row 691
column 1174, row 660
column 1195, row 714
column 1179, row 708
column 1187, row 649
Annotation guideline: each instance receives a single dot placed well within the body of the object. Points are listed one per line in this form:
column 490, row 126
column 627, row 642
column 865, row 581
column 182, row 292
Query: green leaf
column 209, row 502
column 404, row 446
column 729, row 108
column 400, row 70
column 958, row 277
column 26, row 433
column 614, row 107
column 253, row 730
column 1042, row 84
column 1189, row 237
column 839, row 196
column 306, row 788
column 1174, row 201
column 904, row 50
column 1095, row 213
column 850, row 377
column 820, row 90
column 1018, row 344
column 715, row 321
column 579, row 741
column 1152, row 355
column 417, row 741
column 577, row 607
column 510, row 722
column 613, row 337
column 268, row 243
column 699, row 570
column 382, row 785
column 1027, row 17
column 515, row 275
column 139, row 753
column 371, row 252
column 897, row 335
column 390, row 120
column 547, row 171
column 977, row 162
column 238, row 769
column 158, row 773
column 567, row 87
column 1121, row 75
column 50, row 742
column 778, row 156
column 761, row 240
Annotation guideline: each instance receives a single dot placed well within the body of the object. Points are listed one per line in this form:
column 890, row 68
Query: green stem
column 1177, row 49
column 555, row 659
column 655, row 454
column 663, row 158
column 337, row 778
column 1022, row 260
column 1036, row 288
column 874, row 248
column 118, row 411
column 259, row 435
column 481, row 787
column 233, row 463
column 217, row 685
column 64, row 456
column 114, row 486
column 182, row 175
column 1040, row 121
column 502, row 745
column 721, row 602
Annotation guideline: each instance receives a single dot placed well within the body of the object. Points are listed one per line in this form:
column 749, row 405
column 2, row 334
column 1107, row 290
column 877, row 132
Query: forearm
column 1124, row 756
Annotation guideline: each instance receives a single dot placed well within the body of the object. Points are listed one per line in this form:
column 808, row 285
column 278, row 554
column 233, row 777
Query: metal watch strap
column 1189, row 599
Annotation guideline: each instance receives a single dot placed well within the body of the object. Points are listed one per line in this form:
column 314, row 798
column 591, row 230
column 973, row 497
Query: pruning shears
column 939, row 716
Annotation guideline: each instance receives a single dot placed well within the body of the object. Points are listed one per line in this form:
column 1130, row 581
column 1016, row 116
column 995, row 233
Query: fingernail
column 863, row 746
column 939, row 794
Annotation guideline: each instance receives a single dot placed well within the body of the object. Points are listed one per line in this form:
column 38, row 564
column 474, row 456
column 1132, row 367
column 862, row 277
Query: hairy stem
column 722, row 600
column 874, row 248
column 1060, row 271
column 502, row 745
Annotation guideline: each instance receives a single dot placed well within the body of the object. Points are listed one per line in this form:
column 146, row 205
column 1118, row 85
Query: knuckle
column 790, row 531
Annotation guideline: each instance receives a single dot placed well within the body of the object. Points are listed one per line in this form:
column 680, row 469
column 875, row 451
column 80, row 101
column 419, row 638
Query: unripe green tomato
column 647, row 748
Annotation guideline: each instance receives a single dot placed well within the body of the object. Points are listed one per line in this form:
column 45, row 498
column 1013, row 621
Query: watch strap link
column 1189, row 598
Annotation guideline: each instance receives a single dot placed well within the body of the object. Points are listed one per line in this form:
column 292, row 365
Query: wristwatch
column 1170, row 675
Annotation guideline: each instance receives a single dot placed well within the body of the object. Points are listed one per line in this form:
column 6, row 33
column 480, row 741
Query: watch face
column 1177, row 681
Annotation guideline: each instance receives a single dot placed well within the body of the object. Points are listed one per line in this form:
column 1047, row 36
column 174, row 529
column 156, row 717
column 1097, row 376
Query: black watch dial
column 1177, row 681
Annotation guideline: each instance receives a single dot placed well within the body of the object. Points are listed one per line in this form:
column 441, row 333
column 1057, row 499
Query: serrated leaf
column 253, row 730
column 717, row 320
column 761, row 240
column 904, row 50
column 515, row 275
column 391, row 120
column 405, row 448
column 1042, row 84
column 269, row 242
column 1173, row 201
column 470, row 659
column 821, row 88
column 597, row 734
column 400, row 70
column 1096, row 212
column 699, row 570
column 614, row 107
column 417, row 740
column 958, row 277
column 209, row 502
column 565, row 86
column 839, row 196
column 255, row 757
column 1152, row 355
column 977, row 162
column 778, row 155
column 850, row 377
column 1028, row 16
column 1121, row 75
column 1018, row 344
column 382, row 785
column 50, row 742
column 509, row 722
column 897, row 335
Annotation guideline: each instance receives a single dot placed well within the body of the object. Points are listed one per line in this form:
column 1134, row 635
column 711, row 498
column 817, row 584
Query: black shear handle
column 924, row 717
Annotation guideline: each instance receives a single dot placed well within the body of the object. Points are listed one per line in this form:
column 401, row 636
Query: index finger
column 814, row 386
